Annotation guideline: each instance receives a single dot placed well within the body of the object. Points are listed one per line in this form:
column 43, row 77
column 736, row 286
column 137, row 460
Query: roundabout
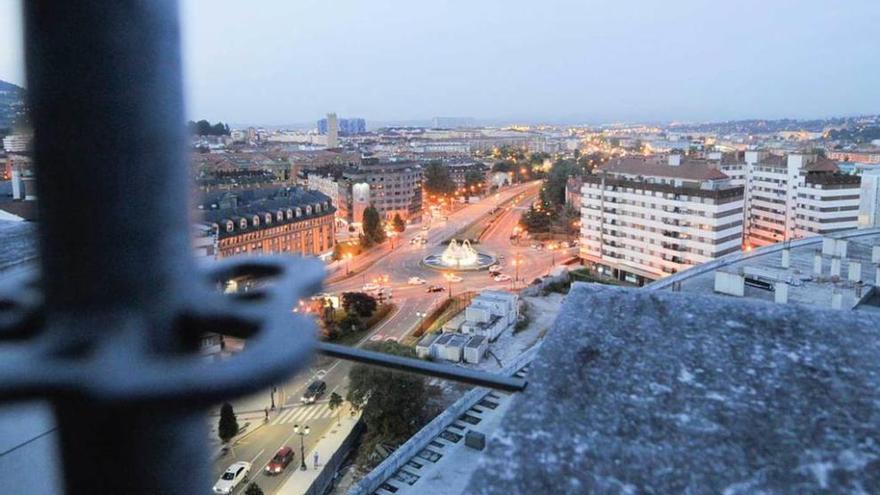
column 459, row 257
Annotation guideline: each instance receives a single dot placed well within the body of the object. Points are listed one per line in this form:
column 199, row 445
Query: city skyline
column 685, row 61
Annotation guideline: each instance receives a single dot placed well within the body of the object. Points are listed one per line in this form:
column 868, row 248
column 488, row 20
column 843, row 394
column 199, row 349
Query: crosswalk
column 302, row 414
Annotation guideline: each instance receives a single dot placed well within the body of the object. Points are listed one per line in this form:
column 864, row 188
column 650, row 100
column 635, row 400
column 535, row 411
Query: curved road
column 399, row 265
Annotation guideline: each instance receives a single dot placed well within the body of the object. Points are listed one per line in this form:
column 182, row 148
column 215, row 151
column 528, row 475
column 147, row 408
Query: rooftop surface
column 811, row 290
column 650, row 166
column 637, row 391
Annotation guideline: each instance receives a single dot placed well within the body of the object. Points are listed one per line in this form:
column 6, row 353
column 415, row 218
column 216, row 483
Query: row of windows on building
column 279, row 216
column 644, row 192
column 305, row 242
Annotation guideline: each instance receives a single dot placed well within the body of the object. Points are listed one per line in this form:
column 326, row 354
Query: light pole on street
column 302, row 432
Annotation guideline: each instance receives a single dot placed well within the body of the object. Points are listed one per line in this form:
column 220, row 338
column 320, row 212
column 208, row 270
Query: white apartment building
column 869, row 200
column 792, row 196
column 643, row 218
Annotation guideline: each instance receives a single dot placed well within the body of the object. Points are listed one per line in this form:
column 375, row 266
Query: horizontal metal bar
column 463, row 375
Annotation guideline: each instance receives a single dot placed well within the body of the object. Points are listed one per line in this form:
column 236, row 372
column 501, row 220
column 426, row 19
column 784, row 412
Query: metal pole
column 104, row 81
column 302, row 451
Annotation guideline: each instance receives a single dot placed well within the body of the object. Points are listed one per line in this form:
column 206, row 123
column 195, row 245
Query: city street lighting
column 302, row 432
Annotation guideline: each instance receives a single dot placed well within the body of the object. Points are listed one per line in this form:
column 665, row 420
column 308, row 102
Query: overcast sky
column 287, row 61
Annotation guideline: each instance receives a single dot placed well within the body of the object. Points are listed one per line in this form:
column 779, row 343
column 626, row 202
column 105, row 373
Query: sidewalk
column 300, row 481
column 250, row 412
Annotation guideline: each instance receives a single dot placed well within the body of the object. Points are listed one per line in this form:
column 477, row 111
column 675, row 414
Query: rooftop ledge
column 656, row 392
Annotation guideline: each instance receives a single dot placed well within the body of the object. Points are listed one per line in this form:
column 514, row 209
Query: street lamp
column 302, row 432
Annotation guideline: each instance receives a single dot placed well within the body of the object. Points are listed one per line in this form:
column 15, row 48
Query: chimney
column 836, row 300
column 674, row 160
column 835, row 266
column 786, row 258
column 855, row 271
column 780, row 293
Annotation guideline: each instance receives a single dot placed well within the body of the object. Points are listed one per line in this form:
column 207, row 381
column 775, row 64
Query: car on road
column 314, row 391
column 370, row 288
column 502, row 277
column 416, row 281
column 423, row 240
column 282, row 458
column 454, row 278
column 435, row 288
column 495, row 268
column 232, row 477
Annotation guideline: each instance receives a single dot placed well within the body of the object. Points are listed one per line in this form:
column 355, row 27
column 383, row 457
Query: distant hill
column 12, row 104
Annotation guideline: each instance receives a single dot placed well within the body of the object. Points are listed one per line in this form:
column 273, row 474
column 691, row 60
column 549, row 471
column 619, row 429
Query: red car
column 282, row 458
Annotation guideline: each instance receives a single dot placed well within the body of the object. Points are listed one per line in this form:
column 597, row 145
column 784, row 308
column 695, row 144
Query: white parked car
column 370, row 288
column 232, row 477
column 454, row 278
column 502, row 277
column 416, row 281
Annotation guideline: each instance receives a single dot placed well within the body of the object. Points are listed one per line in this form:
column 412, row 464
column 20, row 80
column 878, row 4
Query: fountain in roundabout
column 459, row 256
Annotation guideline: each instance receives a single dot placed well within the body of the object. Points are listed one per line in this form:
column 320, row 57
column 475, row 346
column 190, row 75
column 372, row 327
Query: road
column 399, row 265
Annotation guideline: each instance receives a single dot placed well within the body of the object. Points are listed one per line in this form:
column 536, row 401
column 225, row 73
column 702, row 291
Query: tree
column 253, row 489
column 204, row 128
column 359, row 303
column 398, row 223
column 437, row 179
column 474, row 180
column 394, row 404
column 536, row 221
column 349, row 324
column 335, row 404
column 553, row 193
column 374, row 232
column 502, row 167
column 228, row 425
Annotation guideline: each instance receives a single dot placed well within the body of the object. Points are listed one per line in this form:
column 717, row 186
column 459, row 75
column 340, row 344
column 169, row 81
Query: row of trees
column 552, row 215
column 205, row 128
column 374, row 227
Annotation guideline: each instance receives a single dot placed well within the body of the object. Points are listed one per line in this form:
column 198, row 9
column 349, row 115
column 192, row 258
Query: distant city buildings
column 452, row 122
column 345, row 127
column 647, row 217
